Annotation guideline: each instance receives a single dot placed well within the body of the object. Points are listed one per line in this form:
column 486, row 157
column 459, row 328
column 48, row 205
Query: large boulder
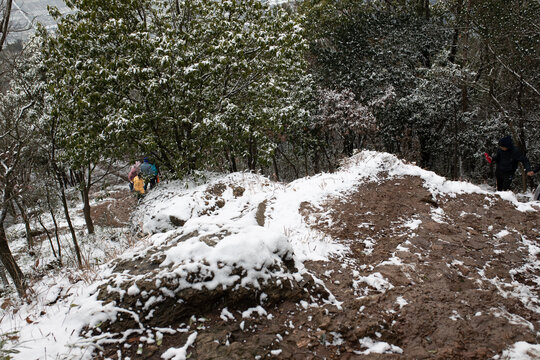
column 193, row 274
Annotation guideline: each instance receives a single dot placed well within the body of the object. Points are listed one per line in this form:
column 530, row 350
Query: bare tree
column 5, row 13
column 15, row 145
column 51, row 130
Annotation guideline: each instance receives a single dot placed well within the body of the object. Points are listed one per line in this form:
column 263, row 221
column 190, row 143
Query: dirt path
column 448, row 262
column 115, row 210
column 426, row 278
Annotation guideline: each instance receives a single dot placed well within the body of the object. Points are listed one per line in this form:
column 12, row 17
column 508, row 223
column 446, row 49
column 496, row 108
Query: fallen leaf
column 133, row 339
column 302, row 342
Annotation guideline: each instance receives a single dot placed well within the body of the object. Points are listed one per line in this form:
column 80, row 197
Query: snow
column 455, row 316
column 180, row 353
column 226, row 315
column 337, row 339
column 50, row 324
column 413, row 224
column 438, row 215
column 521, row 351
column 252, row 247
column 56, row 330
column 375, row 280
column 401, row 301
column 377, row 347
column 259, row 310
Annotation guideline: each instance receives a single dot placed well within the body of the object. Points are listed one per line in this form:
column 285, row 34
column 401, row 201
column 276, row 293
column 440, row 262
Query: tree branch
column 513, row 72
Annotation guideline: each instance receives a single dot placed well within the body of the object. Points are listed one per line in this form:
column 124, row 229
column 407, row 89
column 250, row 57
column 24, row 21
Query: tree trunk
column 86, row 209
column 4, row 21
column 84, row 181
column 54, row 165
column 522, row 133
column 232, row 161
column 53, row 217
column 316, row 162
column 306, row 162
column 10, row 264
column 252, row 155
column 3, row 276
column 48, row 236
column 29, row 237
column 276, row 170
column 423, row 8
column 427, row 11
column 348, row 145
column 455, row 150
column 68, row 219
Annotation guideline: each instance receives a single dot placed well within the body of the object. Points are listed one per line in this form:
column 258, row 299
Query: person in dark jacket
column 507, row 158
column 149, row 173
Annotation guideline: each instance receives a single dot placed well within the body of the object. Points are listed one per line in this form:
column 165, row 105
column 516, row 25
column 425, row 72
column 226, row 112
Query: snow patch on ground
column 521, row 351
column 180, row 353
column 377, row 347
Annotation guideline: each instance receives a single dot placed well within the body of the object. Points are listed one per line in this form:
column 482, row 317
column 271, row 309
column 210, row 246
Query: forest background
column 238, row 85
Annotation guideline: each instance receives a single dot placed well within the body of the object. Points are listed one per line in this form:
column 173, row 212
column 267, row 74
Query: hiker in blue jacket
column 507, row 158
column 149, row 173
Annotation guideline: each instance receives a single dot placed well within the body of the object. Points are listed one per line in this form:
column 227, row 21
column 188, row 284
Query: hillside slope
column 379, row 260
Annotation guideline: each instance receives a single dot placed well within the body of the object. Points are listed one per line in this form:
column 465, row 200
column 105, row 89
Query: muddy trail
column 425, row 278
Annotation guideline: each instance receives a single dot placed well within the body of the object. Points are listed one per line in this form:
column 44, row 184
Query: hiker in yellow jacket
column 138, row 185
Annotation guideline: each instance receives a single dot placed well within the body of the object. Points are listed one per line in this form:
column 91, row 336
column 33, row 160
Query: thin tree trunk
column 425, row 9
column 29, row 237
column 522, row 138
column 3, row 276
column 4, row 23
column 276, row 170
column 83, row 178
column 252, row 155
column 68, row 219
column 86, row 210
column 464, row 98
column 10, row 264
column 74, row 178
column 53, row 217
column 58, row 174
column 48, row 236
column 232, row 161
column 306, row 162
column 11, row 208
column 331, row 165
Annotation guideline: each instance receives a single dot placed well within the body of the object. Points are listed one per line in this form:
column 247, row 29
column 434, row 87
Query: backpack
column 147, row 172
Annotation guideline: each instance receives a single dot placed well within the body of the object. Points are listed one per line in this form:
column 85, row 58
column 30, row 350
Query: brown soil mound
column 439, row 278
column 447, row 270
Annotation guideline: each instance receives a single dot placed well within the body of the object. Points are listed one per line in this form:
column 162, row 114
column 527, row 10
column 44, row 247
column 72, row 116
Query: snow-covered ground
column 49, row 326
